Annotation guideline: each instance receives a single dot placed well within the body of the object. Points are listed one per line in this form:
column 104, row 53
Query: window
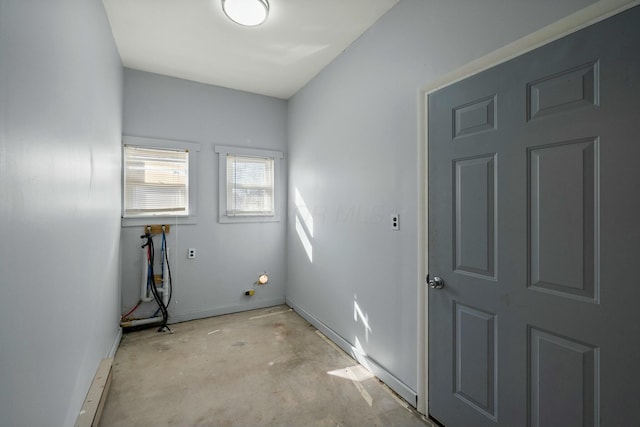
column 248, row 184
column 158, row 180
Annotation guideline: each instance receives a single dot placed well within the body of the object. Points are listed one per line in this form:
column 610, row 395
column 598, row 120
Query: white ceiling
column 193, row 39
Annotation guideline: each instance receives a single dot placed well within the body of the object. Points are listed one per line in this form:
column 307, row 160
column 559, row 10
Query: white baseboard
column 385, row 376
column 115, row 345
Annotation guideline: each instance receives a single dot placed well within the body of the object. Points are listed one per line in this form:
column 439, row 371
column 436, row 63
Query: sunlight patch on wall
column 358, row 353
column 302, row 235
column 304, row 213
column 304, row 224
column 359, row 315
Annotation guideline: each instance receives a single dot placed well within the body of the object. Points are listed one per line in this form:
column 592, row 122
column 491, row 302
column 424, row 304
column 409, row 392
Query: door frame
column 596, row 12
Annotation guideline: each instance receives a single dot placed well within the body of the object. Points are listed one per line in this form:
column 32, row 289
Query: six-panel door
column 534, row 219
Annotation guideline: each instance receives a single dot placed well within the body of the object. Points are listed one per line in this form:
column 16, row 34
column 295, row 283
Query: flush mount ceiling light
column 246, row 12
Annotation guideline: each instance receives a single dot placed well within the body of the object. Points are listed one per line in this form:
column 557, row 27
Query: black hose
column 151, row 282
column 166, row 257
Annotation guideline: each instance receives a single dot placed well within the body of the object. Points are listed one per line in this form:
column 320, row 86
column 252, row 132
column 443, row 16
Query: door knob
column 436, row 282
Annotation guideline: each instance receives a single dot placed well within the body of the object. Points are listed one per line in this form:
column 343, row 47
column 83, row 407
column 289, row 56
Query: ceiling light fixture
column 246, row 12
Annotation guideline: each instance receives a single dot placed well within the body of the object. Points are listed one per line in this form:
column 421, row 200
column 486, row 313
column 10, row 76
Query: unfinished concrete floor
column 266, row 367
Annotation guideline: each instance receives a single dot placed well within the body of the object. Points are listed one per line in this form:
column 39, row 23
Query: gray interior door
column 534, row 227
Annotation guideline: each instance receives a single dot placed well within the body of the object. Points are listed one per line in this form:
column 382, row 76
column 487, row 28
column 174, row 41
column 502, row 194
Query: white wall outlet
column 395, row 221
column 191, row 254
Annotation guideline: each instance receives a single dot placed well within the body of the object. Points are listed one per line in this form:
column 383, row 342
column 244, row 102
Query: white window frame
column 164, row 144
column 277, row 157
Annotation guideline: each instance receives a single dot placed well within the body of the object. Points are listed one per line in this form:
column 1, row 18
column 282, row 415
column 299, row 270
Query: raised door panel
column 563, row 219
column 563, row 381
column 475, row 359
column 474, row 231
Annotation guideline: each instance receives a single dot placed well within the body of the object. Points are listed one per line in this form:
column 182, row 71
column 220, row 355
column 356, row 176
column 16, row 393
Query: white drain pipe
column 145, row 296
column 139, row 322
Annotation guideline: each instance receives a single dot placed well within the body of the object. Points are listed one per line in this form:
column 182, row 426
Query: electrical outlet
column 395, row 221
column 191, row 254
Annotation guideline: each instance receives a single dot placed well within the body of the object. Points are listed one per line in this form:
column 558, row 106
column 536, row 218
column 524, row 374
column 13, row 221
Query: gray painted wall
column 229, row 256
column 352, row 135
column 60, row 126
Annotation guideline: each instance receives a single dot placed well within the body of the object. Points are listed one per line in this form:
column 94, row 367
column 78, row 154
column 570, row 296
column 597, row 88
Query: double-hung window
column 158, row 180
column 249, row 184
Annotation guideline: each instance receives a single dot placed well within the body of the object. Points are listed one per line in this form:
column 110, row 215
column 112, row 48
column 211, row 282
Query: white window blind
column 156, row 181
column 250, row 186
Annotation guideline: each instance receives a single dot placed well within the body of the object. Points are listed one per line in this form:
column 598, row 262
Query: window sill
column 146, row 220
column 224, row 219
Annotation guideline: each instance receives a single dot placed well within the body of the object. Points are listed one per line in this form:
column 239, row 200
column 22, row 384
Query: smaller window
column 158, row 180
column 248, row 184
